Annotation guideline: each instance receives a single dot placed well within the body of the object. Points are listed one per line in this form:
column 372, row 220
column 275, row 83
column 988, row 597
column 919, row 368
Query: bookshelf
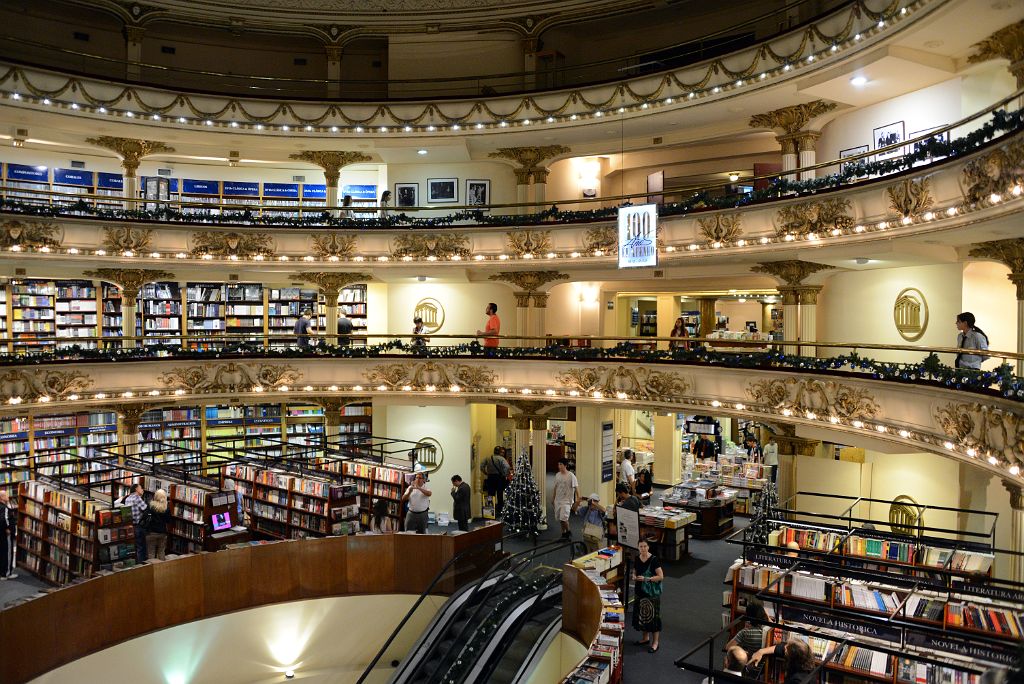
column 32, row 313
column 200, row 192
column 591, row 585
column 205, row 307
column 76, row 312
column 95, row 432
column 190, row 509
column 244, row 310
column 14, row 450
column 54, row 442
column 284, row 306
column 304, row 426
column 356, row 423
column 160, row 308
column 281, row 195
column 72, row 182
column 352, row 302
column 115, row 539
column 111, row 315
column 374, row 482
column 29, row 180
column 178, row 428
column 56, row 533
column 110, row 185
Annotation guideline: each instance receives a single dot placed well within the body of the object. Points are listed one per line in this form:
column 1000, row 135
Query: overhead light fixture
column 859, row 81
column 733, row 177
column 421, row 152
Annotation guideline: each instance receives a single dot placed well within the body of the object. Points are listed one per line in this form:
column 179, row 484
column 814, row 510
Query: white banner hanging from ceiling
column 638, row 236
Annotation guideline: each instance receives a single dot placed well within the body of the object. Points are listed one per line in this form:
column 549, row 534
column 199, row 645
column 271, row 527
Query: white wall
column 503, row 181
column 992, row 298
column 463, row 304
column 929, row 479
column 856, row 306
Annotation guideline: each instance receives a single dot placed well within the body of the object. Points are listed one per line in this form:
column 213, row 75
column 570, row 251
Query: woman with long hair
column 969, row 336
column 798, row 657
column 156, row 532
column 380, row 521
column 678, row 330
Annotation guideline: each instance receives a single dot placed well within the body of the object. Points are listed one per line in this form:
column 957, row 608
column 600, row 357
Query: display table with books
column 711, row 505
column 594, row 614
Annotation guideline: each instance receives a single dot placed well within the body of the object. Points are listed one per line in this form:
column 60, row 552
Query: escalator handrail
column 422, row 597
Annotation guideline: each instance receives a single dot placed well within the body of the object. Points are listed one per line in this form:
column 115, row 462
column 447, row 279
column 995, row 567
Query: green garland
column 930, row 371
column 1001, row 122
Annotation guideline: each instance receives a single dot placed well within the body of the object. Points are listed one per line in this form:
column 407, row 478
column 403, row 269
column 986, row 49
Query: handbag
column 650, row 588
column 593, row 530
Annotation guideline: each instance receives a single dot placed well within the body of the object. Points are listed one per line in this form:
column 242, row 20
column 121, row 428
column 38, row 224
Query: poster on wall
column 607, row 451
column 852, row 152
column 442, row 190
column 890, row 134
column 638, row 236
column 478, row 192
column 916, row 146
column 407, row 194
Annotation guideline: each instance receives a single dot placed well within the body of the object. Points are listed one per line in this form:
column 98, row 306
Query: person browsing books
column 771, row 457
column 304, row 329
column 344, row 329
column 380, row 521
column 798, row 657
column 8, row 530
column 627, row 471
column 156, row 530
column 592, row 513
column 496, row 469
column 418, row 497
column 138, row 506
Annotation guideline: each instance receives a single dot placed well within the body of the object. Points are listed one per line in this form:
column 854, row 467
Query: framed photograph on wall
column 914, row 147
column 407, row 194
column 478, row 192
column 442, row 190
column 890, row 134
column 851, row 152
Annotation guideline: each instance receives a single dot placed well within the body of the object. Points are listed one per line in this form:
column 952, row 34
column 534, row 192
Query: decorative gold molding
column 813, row 217
column 130, row 415
column 992, row 173
column 334, row 245
column 131, row 150
column 791, row 272
column 1016, row 499
column 636, row 383
column 30, row 385
column 910, row 314
column 130, row 280
column 527, row 241
column 331, row 161
column 332, row 406
column 229, row 377
column 1006, row 43
column 34, row 234
column 792, row 119
column 528, row 281
column 721, row 228
column 1009, row 252
column 220, row 244
column 332, row 282
column 421, row 375
column 820, row 397
column 529, row 411
column 990, row 430
column 436, row 245
column 601, row 238
column 910, row 198
column 540, row 300
column 530, row 160
column 127, row 238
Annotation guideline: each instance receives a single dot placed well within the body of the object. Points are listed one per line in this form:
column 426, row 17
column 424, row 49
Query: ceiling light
column 733, row 177
column 431, row 129
column 858, row 81
column 421, row 151
column 456, row 127
column 407, row 129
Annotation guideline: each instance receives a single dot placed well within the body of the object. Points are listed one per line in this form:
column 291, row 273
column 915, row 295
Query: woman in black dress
column 648, row 576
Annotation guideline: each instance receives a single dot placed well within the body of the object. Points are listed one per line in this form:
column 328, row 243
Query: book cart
column 876, row 602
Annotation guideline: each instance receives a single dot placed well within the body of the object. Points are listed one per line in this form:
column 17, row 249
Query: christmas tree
column 522, row 512
column 764, row 511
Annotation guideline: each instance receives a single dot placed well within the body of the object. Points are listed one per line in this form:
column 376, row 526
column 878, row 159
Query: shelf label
column 109, row 181
column 8, row 436
column 993, row 653
column 73, row 177
column 149, row 426
column 214, row 422
column 182, row 423
column 241, row 188
column 21, row 172
column 313, row 191
column 281, row 190
column 998, row 593
column 840, row 624
column 97, row 428
column 56, row 432
column 360, row 191
column 200, row 187
column 264, row 421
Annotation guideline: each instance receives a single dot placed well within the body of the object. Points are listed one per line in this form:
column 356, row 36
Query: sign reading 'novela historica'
column 638, row 236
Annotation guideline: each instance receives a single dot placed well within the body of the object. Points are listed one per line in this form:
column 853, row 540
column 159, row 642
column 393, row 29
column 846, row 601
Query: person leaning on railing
column 969, row 337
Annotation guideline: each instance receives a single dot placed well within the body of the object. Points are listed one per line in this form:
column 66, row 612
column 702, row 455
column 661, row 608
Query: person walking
column 493, row 327
column 418, row 497
column 304, row 328
column 627, row 470
column 419, row 330
column 704, row 448
column 138, row 506
column 969, row 336
column 771, row 457
column 346, row 208
column 8, row 537
column 385, row 202
column 460, row 502
column 345, row 328
column 496, row 469
column 566, row 494
column 156, row 530
column 648, row 577
column 678, row 330
column 593, row 514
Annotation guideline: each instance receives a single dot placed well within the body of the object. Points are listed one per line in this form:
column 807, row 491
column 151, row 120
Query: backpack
column 146, row 519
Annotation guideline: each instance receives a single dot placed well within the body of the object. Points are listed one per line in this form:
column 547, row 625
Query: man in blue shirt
column 304, row 328
column 138, row 506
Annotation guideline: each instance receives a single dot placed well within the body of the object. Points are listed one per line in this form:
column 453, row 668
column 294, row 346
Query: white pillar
column 668, row 463
column 130, row 189
column 536, row 316
column 133, row 52
column 790, row 317
column 789, row 157
column 1018, row 280
column 331, row 317
column 589, row 418
column 808, row 319
column 805, row 144
column 129, row 309
column 522, row 190
column 540, row 188
column 539, row 442
column 1016, row 569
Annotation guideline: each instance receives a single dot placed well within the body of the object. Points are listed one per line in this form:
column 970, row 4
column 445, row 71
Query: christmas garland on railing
column 928, row 150
column 929, row 371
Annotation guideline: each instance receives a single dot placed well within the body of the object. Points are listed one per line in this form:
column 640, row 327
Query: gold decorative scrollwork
column 522, row 242
column 334, row 245
column 720, row 228
column 992, row 173
column 127, row 238
column 218, row 244
column 820, row 397
column 910, row 198
column 638, row 383
column 33, row 234
column 420, row 375
column 601, row 238
column 813, row 217
column 792, row 119
column 990, row 430
column 437, row 245
column 229, row 377
column 29, row 385
column 528, row 281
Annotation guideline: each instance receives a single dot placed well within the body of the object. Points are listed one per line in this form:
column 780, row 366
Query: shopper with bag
column 593, row 522
column 496, row 471
column 647, row 576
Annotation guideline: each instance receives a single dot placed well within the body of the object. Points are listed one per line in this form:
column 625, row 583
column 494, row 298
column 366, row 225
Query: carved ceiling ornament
column 601, row 238
column 638, row 383
column 331, row 161
column 334, row 245
column 990, row 430
column 530, row 160
column 792, row 119
column 130, row 415
column 34, row 234
column 529, row 412
column 221, row 244
column 721, row 228
column 1009, row 252
column 534, row 242
column 130, row 280
column 131, row 150
column 331, row 283
column 29, row 385
column 821, row 397
column 420, row 375
column 791, row 272
column 1006, row 43
column 229, row 377
column 528, row 281
column 437, row 245
column 992, row 173
column 910, row 198
column 813, row 217
column 127, row 238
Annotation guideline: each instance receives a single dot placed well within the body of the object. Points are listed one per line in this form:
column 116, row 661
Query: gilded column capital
column 1016, row 499
column 530, row 160
column 1006, row 43
column 529, row 412
column 130, row 415
column 331, row 161
column 787, row 142
column 529, row 281
column 1009, row 252
column 790, row 295
column 540, row 174
column 808, row 294
column 791, row 272
column 130, row 280
column 522, row 176
column 540, row 300
column 331, row 283
column 134, row 34
column 131, row 150
column 522, row 299
column 792, row 119
column 333, row 53
column 807, row 141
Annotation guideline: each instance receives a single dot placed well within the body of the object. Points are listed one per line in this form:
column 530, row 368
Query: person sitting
column 751, row 638
column 798, row 657
column 734, row 662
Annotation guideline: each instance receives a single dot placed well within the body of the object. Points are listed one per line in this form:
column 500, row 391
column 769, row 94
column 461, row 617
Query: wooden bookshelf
column 15, row 451
column 56, row 533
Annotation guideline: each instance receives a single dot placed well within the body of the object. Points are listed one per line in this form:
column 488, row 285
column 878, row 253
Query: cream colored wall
column 825, row 476
column 377, row 309
column 463, row 303
column 315, row 638
column 856, row 306
column 574, row 309
column 503, row 181
column 451, row 427
column 566, row 187
column 562, row 655
column 992, row 298
column 588, row 451
column 927, row 478
column 740, row 312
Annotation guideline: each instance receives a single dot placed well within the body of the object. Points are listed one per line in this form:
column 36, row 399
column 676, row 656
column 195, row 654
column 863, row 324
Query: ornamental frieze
column 910, row 198
column 33, row 234
column 421, row 375
column 528, row 281
column 820, row 217
column 721, row 228
column 992, row 173
column 990, row 430
column 522, row 242
column 331, row 283
column 638, row 383
column 242, row 245
column 127, row 238
column 29, row 385
column 334, row 245
column 820, row 397
column 436, row 245
column 601, row 238
column 229, row 377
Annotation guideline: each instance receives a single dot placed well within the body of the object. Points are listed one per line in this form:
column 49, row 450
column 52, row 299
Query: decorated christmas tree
column 764, row 511
column 522, row 512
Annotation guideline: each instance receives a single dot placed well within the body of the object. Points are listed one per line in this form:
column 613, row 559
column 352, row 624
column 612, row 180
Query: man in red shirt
column 493, row 328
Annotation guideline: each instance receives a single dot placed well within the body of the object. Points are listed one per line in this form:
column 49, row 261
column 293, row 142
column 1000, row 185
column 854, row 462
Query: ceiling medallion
column 910, row 314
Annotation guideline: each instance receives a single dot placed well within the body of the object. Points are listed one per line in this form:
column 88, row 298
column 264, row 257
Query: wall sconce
column 733, row 177
column 589, row 171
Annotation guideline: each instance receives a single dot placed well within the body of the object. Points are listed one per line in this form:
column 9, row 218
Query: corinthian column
column 799, row 301
column 130, row 282
column 131, row 151
column 1010, row 253
column 330, row 285
column 1006, row 43
column 331, row 161
column 529, row 163
column 806, row 147
column 528, row 284
column 789, row 124
column 808, row 318
column 1016, row 570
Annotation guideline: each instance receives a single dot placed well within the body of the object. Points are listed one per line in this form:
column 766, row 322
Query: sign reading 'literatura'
column 638, row 236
